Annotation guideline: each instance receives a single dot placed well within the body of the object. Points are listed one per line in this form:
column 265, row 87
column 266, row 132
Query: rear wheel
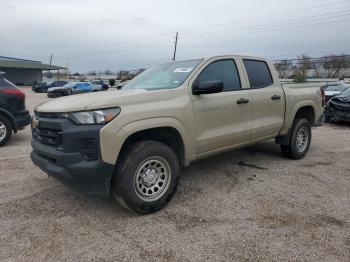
column 5, row 130
column 300, row 140
column 146, row 177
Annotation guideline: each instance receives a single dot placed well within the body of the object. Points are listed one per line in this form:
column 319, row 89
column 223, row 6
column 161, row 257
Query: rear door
column 219, row 120
column 267, row 96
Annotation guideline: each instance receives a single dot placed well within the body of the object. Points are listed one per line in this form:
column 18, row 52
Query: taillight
column 13, row 91
column 323, row 95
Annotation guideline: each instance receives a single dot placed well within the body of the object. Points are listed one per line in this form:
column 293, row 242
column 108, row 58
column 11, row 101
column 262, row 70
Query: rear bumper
column 22, row 120
column 69, row 163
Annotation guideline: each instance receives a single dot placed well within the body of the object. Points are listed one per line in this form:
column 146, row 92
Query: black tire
column 6, row 125
column 128, row 183
column 294, row 149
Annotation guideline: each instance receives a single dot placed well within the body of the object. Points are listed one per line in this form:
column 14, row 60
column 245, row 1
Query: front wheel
column 146, row 177
column 5, row 130
column 300, row 140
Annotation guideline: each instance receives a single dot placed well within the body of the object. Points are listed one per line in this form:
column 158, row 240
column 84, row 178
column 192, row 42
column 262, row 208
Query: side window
column 223, row 70
column 4, row 83
column 258, row 73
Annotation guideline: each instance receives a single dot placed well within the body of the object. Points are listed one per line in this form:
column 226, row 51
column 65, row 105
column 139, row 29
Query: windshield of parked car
column 165, row 76
column 71, row 84
column 337, row 88
column 346, row 92
column 4, row 83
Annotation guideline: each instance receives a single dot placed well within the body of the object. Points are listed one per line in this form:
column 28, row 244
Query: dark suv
column 42, row 87
column 13, row 113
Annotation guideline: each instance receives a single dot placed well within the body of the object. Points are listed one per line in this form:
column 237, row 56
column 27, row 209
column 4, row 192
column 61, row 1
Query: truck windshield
column 165, row 76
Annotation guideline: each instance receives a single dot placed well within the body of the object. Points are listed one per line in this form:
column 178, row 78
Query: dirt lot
column 246, row 205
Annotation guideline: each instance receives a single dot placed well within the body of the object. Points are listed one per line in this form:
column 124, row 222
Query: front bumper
column 337, row 111
column 68, row 159
column 338, row 116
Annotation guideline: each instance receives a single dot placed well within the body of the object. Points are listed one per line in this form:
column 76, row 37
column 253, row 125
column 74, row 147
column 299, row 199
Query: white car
column 95, row 87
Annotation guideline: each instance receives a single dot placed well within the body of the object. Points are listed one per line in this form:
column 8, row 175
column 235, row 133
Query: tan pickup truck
column 131, row 143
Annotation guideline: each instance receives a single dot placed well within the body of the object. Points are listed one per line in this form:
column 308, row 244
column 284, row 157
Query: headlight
column 101, row 116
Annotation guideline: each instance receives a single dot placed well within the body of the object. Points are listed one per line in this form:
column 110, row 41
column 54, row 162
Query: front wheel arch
column 10, row 117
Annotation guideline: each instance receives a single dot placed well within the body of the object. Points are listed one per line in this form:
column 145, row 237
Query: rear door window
column 222, row 70
column 258, row 73
column 4, row 83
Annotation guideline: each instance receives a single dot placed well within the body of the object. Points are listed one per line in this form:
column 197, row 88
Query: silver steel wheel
column 3, row 131
column 302, row 139
column 152, row 178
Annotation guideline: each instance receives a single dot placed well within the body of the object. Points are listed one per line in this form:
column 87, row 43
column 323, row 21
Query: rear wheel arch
column 306, row 112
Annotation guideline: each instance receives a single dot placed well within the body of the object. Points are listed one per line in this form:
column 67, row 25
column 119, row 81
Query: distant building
column 24, row 72
column 125, row 75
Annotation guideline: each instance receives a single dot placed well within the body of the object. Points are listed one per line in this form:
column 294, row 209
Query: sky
column 113, row 34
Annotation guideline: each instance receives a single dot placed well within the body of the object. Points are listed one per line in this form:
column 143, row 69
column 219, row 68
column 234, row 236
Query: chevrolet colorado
column 131, row 143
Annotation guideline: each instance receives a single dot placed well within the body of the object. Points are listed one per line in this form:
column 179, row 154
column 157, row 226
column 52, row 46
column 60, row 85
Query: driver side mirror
column 207, row 87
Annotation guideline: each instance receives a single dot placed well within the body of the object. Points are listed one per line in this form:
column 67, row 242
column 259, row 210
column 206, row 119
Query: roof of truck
column 233, row 55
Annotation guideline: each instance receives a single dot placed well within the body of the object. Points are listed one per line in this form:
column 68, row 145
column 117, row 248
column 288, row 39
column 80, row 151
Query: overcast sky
column 115, row 34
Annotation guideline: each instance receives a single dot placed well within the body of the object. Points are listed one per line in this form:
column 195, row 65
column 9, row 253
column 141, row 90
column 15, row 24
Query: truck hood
column 91, row 101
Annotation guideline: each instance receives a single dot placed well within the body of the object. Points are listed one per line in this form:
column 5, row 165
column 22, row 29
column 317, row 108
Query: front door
column 222, row 119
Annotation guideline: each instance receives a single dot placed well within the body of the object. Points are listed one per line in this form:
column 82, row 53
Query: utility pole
column 67, row 71
column 176, row 38
column 49, row 76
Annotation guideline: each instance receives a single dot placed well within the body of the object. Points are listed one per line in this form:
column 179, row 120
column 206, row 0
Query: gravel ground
column 247, row 205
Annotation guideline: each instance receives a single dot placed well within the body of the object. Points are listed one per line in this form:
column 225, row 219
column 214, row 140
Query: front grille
column 48, row 136
column 344, row 107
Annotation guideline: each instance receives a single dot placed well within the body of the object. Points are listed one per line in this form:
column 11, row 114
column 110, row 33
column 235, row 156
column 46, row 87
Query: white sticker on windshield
column 183, row 70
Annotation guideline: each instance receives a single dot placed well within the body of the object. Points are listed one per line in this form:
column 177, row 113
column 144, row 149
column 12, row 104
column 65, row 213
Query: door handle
column 275, row 97
column 242, row 101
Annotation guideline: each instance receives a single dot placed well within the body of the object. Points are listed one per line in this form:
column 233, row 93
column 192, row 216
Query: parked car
column 132, row 143
column 120, row 84
column 13, row 113
column 69, row 89
column 104, row 86
column 338, row 108
column 334, row 90
column 42, row 87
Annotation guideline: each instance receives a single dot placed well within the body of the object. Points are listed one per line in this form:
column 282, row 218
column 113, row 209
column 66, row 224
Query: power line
column 273, row 29
column 269, row 15
column 137, row 47
column 126, row 45
column 312, row 58
column 278, row 22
